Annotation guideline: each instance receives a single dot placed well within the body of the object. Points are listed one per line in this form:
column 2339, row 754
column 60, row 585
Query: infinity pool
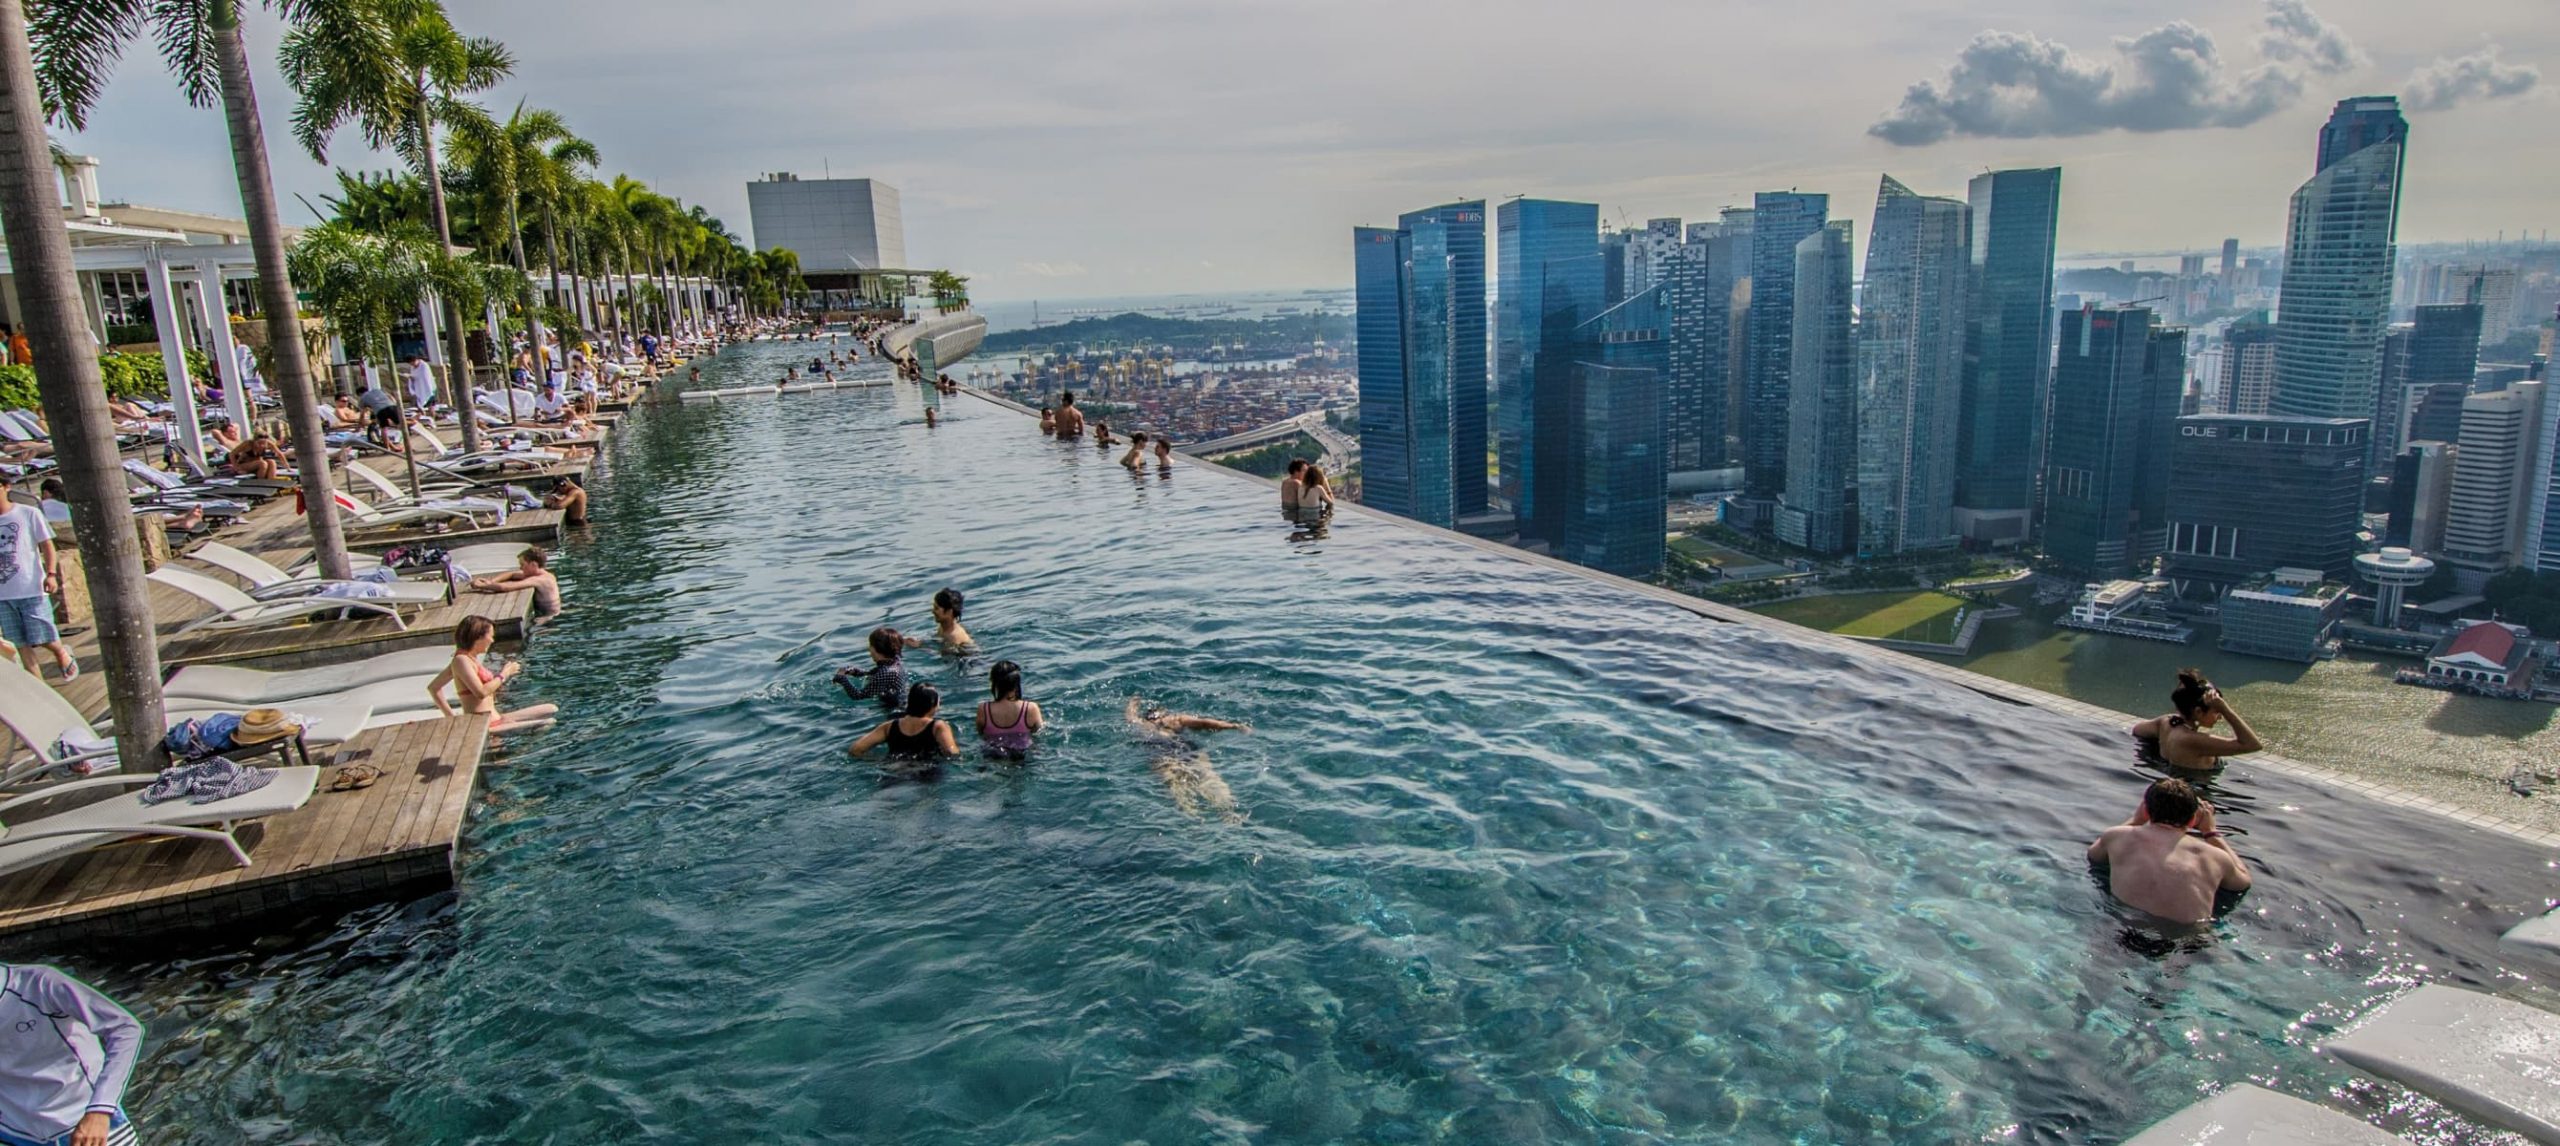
column 1526, row 857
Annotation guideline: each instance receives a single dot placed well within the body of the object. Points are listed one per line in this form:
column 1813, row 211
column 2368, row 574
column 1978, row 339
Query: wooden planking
column 401, row 830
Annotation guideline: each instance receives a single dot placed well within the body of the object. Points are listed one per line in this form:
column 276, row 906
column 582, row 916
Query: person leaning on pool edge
column 2169, row 858
column 2184, row 738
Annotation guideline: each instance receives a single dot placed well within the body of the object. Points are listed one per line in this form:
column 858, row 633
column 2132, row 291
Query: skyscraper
column 2441, row 348
column 2253, row 493
column 1419, row 292
column 2421, row 492
column 2542, row 524
column 1613, row 504
column 2248, row 367
column 2335, row 305
column 2102, row 395
column 1910, row 371
column 2008, row 363
column 1815, row 510
column 2493, row 481
column 1550, row 279
column 2230, row 258
column 1779, row 221
column 1699, row 280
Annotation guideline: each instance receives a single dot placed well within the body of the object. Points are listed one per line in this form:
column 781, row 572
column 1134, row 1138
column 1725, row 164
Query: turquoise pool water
column 1525, row 857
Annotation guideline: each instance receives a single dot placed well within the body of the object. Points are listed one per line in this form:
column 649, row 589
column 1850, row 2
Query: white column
column 226, row 350
column 430, row 316
column 173, row 357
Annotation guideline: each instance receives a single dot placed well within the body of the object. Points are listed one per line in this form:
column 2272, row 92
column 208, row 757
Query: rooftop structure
column 2486, row 654
column 2286, row 614
column 2391, row 572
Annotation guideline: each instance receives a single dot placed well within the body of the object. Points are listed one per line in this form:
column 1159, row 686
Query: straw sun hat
column 260, row 725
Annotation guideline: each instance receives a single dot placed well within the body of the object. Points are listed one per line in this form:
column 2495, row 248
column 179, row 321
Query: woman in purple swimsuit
column 1007, row 723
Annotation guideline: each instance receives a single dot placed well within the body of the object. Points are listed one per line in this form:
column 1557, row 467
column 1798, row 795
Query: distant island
column 1277, row 336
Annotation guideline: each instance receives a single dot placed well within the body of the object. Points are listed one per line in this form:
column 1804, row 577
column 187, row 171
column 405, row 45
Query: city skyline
column 1042, row 179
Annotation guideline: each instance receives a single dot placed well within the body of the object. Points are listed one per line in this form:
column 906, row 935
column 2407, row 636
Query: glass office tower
column 1457, row 231
column 1779, row 221
column 2335, row 305
column 1910, row 371
column 1814, row 510
column 1419, row 290
column 1615, row 424
column 2092, row 464
column 1548, row 255
column 2008, row 362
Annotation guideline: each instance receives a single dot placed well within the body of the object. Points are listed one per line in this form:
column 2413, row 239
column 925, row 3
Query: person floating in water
column 2184, row 738
column 2170, row 859
column 1007, row 723
column 917, row 737
column 1182, row 765
column 886, row 679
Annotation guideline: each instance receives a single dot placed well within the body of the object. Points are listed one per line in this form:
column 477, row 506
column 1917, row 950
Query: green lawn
column 1917, row 615
column 1706, row 552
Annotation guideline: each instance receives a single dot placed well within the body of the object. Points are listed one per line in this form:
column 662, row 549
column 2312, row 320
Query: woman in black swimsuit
column 920, row 736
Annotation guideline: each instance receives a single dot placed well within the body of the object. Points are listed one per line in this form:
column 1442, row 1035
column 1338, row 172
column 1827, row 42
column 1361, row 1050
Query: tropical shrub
column 126, row 376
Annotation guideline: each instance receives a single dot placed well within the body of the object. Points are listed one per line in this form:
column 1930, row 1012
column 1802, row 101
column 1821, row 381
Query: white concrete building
column 836, row 226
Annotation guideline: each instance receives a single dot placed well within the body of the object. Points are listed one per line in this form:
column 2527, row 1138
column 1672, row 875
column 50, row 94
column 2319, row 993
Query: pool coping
column 1990, row 687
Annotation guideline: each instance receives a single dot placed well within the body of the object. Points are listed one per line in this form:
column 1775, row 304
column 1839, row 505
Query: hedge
column 126, row 375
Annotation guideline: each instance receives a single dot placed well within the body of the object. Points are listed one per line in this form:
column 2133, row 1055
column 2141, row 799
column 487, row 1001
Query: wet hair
column 534, row 553
column 469, row 632
column 1164, row 443
column 52, row 488
column 2187, row 699
column 2171, row 801
column 1314, row 475
column 1005, row 680
column 1044, row 408
column 1138, row 438
column 1297, row 466
column 922, row 699
column 1066, row 397
column 887, row 643
column 949, row 600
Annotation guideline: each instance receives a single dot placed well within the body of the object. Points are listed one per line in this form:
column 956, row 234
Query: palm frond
column 76, row 44
column 188, row 32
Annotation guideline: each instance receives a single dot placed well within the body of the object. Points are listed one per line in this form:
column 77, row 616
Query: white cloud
column 1052, row 270
column 2455, row 80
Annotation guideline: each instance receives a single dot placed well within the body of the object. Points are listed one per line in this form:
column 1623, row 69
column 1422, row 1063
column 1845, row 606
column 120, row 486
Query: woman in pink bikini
column 477, row 686
column 1007, row 723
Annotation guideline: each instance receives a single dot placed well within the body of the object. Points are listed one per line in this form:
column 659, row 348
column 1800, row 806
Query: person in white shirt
column 63, row 1071
column 30, row 572
column 422, row 383
column 550, row 407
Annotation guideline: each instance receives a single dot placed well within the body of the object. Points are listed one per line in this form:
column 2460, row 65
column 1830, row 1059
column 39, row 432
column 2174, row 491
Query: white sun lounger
column 234, row 610
column 254, row 687
column 393, row 499
column 367, row 517
column 2247, row 1115
column 487, row 559
column 2539, row 935
column 270, row 583
column 2494, row 1060
column 26, row 844
column 60, row 737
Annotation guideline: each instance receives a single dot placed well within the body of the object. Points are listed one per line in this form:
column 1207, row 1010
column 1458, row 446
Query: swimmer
column 1102, row 435
column 1137, row 450
column 1007, row 723
column 1164, row 452
column 1070, row 421
column 947, row 605
column 2169, row 859
column 1291, row 487
column 928, row 417
column 2184, row 738
column 919, row 735
column 1182, row 765
column 1315, row 497
column 1048, row 421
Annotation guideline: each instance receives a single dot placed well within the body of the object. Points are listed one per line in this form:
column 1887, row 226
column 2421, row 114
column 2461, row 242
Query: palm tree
column 397, row 74
column 75, row 47
column 74, row 398
column 363, row 283
column 505, row 161
column 378, row 203
column 950, row 291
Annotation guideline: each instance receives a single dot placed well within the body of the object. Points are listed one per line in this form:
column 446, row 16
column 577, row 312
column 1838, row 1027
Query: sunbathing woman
column 256, row 458
column 1182, row 765
column 477, row 686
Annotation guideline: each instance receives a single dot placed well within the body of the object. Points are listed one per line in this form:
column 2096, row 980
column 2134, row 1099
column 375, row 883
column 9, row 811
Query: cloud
column 2012, row 85
column 1053, row 270
column 2454, row 80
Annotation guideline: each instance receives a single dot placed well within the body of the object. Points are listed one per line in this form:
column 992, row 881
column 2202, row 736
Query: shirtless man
column 1182, row 765
column 2154, row 864
column 2185, row 737
column 1070, row 419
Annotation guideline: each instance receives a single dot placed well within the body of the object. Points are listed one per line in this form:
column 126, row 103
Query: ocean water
column 1523, row 857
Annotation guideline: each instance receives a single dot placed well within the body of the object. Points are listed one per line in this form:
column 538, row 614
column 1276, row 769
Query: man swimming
column 2169, row 859
column 1182, row 765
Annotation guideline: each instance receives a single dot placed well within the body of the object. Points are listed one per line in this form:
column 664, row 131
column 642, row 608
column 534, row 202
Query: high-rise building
column 2542, row 525
column 1419, row 290
column 1613, row 504
column 2253, row 493
column 836, row 226
column 1729, row 275
column 2248, row 367
column 2335, row 305
column 1815, row 509
column 2421, row 492
column 2441, row 347
column 1549, row 283
column 1779, row 221
column 2493, row 289
column 1698, row 289
column 2230, row 258
column 1910, row 371
column 2115, row 395
column 2493, row 481
column 2008, row 351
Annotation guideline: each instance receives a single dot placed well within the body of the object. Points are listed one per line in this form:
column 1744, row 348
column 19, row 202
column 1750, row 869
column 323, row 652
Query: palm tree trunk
column 551, row 257
column 533, row 320
column 75, row 404
column 292, row 367
column 457, row 348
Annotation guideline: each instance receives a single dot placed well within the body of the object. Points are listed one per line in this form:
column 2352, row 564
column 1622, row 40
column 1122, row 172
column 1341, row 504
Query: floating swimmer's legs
column 1194, row 783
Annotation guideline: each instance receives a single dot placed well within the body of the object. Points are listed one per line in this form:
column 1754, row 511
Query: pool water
column 1525, row 856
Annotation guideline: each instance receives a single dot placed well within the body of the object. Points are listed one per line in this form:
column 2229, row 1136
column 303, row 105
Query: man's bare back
column 2157, row 867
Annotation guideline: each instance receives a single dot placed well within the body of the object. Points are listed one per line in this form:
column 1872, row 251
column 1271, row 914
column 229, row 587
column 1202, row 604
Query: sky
column 1115, row 147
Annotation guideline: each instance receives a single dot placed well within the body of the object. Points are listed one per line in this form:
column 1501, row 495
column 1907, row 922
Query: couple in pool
column 2170, row 858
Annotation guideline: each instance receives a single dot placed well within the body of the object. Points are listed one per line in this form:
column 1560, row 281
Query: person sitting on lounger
column 570, row 498
column 533, row 571
column 918, row 737
column 222, row 435
column 477, row 686
column 2169, row 859
column 256, row 458
column 71, row 1051
column 550, row 405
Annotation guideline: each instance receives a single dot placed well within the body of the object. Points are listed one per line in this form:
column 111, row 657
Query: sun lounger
column 487, row 559
column 2494, row 1060
column 255, row 687
column 62, row 740
column 234, row 610
column 2539, row 935
column 362, row 516
column 269, row 583
column 2246, row 1115
column 28, row 843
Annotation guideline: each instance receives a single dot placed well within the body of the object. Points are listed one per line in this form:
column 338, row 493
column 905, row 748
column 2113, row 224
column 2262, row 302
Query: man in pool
column 2169, row 859
column 1181, row 764
column 1070, row 419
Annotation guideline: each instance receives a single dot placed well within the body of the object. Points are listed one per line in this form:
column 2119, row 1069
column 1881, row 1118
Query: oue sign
column 2200, row 431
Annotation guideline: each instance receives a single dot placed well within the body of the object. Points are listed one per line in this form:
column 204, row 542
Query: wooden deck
column 336, row 642
column 343, row 848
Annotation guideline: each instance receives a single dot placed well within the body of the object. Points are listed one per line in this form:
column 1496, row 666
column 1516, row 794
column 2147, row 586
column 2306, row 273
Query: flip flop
column 353, row 777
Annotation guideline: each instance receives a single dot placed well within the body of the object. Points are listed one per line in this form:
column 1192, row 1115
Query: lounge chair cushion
column 2247, row 1115
column 253, row 688
column 115, row 817
column 2480, row 1055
